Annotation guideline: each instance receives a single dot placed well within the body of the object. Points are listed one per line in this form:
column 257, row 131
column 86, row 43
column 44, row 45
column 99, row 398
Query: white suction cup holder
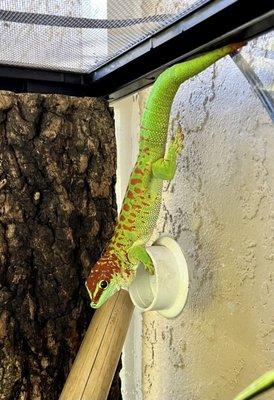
column 165, row 291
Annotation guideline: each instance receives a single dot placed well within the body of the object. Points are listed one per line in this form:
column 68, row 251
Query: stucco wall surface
column 220, row 209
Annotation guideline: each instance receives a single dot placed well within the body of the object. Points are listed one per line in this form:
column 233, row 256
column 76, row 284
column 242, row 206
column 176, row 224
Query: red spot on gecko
column 136, row 206
column 135, row 181
column 127, row 271
column 138, row 171
column 130, row 195
column 128, row 228
column 138, row 190
column 126, row 207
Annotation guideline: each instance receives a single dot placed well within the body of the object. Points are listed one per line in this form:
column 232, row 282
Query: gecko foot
column 138, row 254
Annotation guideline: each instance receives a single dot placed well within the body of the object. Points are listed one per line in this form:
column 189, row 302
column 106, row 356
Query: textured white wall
column 220, row 209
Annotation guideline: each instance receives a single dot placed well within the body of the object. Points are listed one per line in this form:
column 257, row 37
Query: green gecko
column 259, row 386
column 141, row 205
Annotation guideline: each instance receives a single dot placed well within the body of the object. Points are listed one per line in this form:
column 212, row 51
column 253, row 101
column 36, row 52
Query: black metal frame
column 214, row 24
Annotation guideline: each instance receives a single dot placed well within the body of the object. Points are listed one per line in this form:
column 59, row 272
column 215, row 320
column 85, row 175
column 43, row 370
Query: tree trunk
column 57, row 211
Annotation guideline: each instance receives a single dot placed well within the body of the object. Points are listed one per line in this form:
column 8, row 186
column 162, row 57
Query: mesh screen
column 80, row 35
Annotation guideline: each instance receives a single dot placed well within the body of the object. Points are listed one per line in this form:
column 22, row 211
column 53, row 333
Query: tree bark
column 57, row 211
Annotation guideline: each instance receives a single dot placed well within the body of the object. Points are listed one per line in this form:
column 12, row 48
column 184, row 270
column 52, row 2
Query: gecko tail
column 185, row 70
column 155, row 120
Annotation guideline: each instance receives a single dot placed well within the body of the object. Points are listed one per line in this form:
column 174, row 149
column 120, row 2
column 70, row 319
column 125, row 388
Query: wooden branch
column 94, row 367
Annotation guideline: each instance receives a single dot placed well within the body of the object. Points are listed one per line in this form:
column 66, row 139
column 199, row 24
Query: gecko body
column 156, row 162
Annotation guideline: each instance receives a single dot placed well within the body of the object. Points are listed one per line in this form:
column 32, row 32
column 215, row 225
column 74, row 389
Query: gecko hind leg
column 139, row 254
column 165, row 168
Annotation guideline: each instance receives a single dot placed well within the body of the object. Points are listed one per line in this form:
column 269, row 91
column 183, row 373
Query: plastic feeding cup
column 166, row 290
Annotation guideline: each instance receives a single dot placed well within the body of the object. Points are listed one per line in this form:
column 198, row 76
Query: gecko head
column 104, row 280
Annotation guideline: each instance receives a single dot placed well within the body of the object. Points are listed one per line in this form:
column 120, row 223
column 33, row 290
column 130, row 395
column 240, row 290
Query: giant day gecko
column 141, row 205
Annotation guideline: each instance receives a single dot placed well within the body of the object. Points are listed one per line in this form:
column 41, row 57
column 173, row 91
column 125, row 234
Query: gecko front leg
column 165, row 168
column 138, row 254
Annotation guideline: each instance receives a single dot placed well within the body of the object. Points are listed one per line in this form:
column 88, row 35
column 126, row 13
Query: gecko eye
column 103, row 284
